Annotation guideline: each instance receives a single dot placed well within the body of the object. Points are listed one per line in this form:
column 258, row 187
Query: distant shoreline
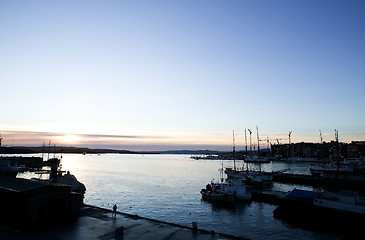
column 85, row 150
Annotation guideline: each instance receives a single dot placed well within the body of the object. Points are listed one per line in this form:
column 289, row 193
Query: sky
column 159, row 75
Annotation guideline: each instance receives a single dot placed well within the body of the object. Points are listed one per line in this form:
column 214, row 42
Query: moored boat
column 343, row 207
column 330, row 168
column 344, row 202
column 217, row 192
column 250, row 176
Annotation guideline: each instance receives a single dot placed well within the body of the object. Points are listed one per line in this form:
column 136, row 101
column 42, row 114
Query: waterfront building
column 24, row 201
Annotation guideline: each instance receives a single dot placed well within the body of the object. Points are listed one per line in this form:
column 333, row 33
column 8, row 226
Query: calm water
column 167, row 187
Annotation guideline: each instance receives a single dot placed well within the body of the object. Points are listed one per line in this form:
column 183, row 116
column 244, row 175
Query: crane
column 290, row 132
column 320, row 135
column 268, row 141
column 336, row 135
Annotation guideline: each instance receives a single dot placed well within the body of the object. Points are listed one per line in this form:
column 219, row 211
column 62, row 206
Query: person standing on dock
column 114, row 211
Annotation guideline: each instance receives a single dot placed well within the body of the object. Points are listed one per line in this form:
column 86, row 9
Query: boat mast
column 49, row 148
column 289, row 143
column 258, row 142
column 246, row 141
column 258, row 146
column 250, row 141
column 221, row 173
column 43, row 151
column 234, row 153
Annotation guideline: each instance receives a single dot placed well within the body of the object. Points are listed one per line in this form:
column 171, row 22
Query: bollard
column 119, row 233
column 195, row 225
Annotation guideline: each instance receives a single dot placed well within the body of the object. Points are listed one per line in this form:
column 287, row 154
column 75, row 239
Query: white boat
column 217, row 192
column 330, row 168
column 250, row 175
column 345, row 201
column 226, row 191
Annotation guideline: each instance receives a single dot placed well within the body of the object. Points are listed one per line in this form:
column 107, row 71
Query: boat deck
column 98, row 223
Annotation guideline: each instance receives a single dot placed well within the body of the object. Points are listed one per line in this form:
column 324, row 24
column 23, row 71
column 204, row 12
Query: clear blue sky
column 180, row 74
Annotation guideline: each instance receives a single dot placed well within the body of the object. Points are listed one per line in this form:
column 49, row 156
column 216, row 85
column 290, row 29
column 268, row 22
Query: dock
column 331, row 181
column 98, row 223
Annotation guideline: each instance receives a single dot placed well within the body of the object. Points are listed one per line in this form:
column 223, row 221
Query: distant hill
column 192, row 152
column 57, row 149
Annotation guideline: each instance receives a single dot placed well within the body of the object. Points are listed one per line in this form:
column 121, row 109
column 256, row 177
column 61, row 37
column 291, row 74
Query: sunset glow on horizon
column 221, row 142
column 70, row 139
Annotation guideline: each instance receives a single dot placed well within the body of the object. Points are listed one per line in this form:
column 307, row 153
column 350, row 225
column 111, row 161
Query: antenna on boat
column 0, row 139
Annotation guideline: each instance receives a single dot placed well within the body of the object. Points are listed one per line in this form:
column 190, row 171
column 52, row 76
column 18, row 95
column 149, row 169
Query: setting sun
column 70, row 138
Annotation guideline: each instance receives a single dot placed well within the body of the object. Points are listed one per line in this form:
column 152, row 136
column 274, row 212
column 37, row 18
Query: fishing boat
column 217, row 192
column 226, row 191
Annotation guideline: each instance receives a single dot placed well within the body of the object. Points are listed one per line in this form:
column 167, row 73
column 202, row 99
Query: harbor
column 174, row 197
column 118, row 119
column 53, row 208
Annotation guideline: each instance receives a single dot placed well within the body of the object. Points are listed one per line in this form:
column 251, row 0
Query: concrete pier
column 98, row 223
